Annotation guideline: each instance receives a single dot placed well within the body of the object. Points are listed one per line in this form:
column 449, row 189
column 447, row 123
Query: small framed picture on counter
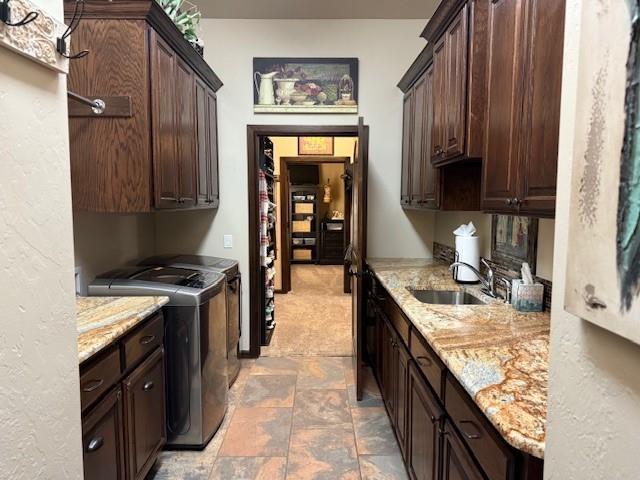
column 514, row 240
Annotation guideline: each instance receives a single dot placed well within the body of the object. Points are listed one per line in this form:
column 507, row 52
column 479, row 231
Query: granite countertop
column 103, row 320
column 499, row 355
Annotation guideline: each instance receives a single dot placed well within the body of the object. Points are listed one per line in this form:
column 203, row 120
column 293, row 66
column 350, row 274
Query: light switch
column 227, row 241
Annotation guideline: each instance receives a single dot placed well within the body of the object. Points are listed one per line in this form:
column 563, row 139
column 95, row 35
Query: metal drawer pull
column 91, row 385
column 95, row 444
column 470, row 436
column 148, row 386
column 424, row 361
column 147, row 339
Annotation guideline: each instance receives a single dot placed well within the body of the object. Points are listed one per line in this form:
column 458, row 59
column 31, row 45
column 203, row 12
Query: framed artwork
column 514, row 240
column 315, row 146
column 305, row 85
column 603, row 261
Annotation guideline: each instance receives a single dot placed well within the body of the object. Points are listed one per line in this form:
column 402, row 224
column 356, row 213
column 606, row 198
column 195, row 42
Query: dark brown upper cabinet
column 524, row 78
column 155, row 146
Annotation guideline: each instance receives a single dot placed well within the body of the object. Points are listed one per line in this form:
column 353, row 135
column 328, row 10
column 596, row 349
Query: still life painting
column 603, row 269
column 514, row 241
column 305, row 85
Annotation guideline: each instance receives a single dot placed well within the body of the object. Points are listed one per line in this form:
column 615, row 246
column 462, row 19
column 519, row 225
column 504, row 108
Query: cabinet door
column 163, row 117
column 186, row 133
column 424, row 417
column 407, row 132
column 389, row 369
column 504, row 106
column 457, row 462
column 456, row 45
column 103, row 440
column 417, row 142
column 438, row 127
column 212, row 123
column 202, row 112
column 543, row 78
column 145, row 414
column 402, row 385
column 430, row 176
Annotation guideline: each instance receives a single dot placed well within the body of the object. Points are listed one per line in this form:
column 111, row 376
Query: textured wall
column 594, row 388
column 39, row 391
column 385, row 48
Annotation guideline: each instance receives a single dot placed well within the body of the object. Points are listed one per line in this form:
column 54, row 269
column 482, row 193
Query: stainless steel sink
column 446, row 297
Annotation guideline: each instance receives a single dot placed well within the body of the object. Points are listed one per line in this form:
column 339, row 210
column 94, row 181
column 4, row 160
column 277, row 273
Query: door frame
column 254, row 134
column 285, row 260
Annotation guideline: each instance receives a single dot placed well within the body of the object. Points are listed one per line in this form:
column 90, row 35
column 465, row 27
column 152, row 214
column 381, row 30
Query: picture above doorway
column 305, row 85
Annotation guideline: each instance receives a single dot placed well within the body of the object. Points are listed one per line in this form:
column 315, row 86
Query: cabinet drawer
column 486, row 444
column 428, row 363
column 98, row 377
column 142, row 342
column 398, row 319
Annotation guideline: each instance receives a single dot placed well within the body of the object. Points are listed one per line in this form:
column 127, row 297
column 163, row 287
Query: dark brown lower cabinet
column 103, row 440
column 423, row 428
column 389, row 362
column 457, row 462
column 145, row 414
column 402, row 383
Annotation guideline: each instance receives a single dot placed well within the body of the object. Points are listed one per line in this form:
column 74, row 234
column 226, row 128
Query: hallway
column 295, row 418
column 314, row 318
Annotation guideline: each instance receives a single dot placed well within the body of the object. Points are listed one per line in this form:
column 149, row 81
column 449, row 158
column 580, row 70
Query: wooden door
column 438, row 127
column 144, row 398
column 359, row 250
column 103, row 440
column 212, row 123
column 163, row 120
column 423, row 437
column 389, row 368
column 186, row 133
column 202, row 185
column 456, row 47
column 457, row 462
column 504, row 106
column 402, row 384
column 407, row 132
column 430, row 187
column 417, row 142
column 543, row 79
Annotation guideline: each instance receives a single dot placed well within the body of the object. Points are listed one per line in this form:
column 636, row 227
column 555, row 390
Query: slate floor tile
column 321, row 408
column 257, row 432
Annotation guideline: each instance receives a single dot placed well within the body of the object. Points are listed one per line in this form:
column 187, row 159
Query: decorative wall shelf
column 35, row 40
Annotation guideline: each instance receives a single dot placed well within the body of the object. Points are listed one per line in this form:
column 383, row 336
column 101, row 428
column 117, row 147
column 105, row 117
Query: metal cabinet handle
column 470, row 436
column 425, row 361
column 148, row 386
column 95, row 444
column 92, row 385
column 147, row 339
column 508, row 201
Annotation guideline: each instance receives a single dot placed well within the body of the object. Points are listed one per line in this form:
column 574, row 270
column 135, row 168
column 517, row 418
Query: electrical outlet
column 227, row 241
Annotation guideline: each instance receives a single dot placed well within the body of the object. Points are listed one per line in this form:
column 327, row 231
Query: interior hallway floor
column 295, row 418
column 314, row 318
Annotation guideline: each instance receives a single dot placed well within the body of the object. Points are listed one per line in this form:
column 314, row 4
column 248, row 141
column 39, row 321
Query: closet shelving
column 268, row 240
column 305, row 223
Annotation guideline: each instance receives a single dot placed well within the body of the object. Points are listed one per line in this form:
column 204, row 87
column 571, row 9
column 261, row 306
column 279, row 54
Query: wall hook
column 5, row 15
column 61, row 43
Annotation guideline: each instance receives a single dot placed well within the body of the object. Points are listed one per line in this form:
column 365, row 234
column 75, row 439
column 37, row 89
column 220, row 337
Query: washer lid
column 178, row 276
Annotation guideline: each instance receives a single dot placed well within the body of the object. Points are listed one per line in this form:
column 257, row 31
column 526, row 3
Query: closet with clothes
column 266, row 193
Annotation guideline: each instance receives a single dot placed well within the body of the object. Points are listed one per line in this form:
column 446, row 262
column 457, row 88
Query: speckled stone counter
column 103, row 320
column 499, row 355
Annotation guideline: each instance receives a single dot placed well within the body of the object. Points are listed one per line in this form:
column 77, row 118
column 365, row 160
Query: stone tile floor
column 295, row 418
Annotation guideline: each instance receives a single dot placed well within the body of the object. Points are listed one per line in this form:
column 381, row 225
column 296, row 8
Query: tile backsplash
column 447, row 254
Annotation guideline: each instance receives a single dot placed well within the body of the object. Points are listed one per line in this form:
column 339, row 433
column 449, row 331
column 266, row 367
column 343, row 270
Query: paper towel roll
column 468, row 250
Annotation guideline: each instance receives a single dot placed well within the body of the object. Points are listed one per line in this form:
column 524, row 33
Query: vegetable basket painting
column 603, row 269
column 305, row 85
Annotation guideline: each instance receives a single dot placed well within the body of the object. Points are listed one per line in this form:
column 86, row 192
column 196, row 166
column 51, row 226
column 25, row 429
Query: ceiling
column 310, row 9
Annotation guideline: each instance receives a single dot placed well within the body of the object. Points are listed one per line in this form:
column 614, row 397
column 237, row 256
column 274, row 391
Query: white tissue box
column 527, row 298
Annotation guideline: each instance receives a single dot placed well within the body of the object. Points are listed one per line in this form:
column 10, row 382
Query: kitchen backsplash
column 446, row 254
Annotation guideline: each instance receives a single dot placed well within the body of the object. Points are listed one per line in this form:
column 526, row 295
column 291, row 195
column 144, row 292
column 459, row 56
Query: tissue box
column 527, row 298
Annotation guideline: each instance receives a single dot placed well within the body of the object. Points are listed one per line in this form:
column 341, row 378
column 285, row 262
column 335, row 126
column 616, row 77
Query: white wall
column 39, row 384
column 594, row 380
column 385, row 48
column 447, row 222
column 103, row 242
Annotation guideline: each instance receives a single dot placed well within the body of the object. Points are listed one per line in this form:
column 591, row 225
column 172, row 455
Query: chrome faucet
column 487, row 283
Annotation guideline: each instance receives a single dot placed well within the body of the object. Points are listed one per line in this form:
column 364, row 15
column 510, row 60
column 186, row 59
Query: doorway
column 309, row 277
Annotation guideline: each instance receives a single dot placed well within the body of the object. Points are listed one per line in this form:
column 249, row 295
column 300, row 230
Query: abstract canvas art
column 603, row 270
